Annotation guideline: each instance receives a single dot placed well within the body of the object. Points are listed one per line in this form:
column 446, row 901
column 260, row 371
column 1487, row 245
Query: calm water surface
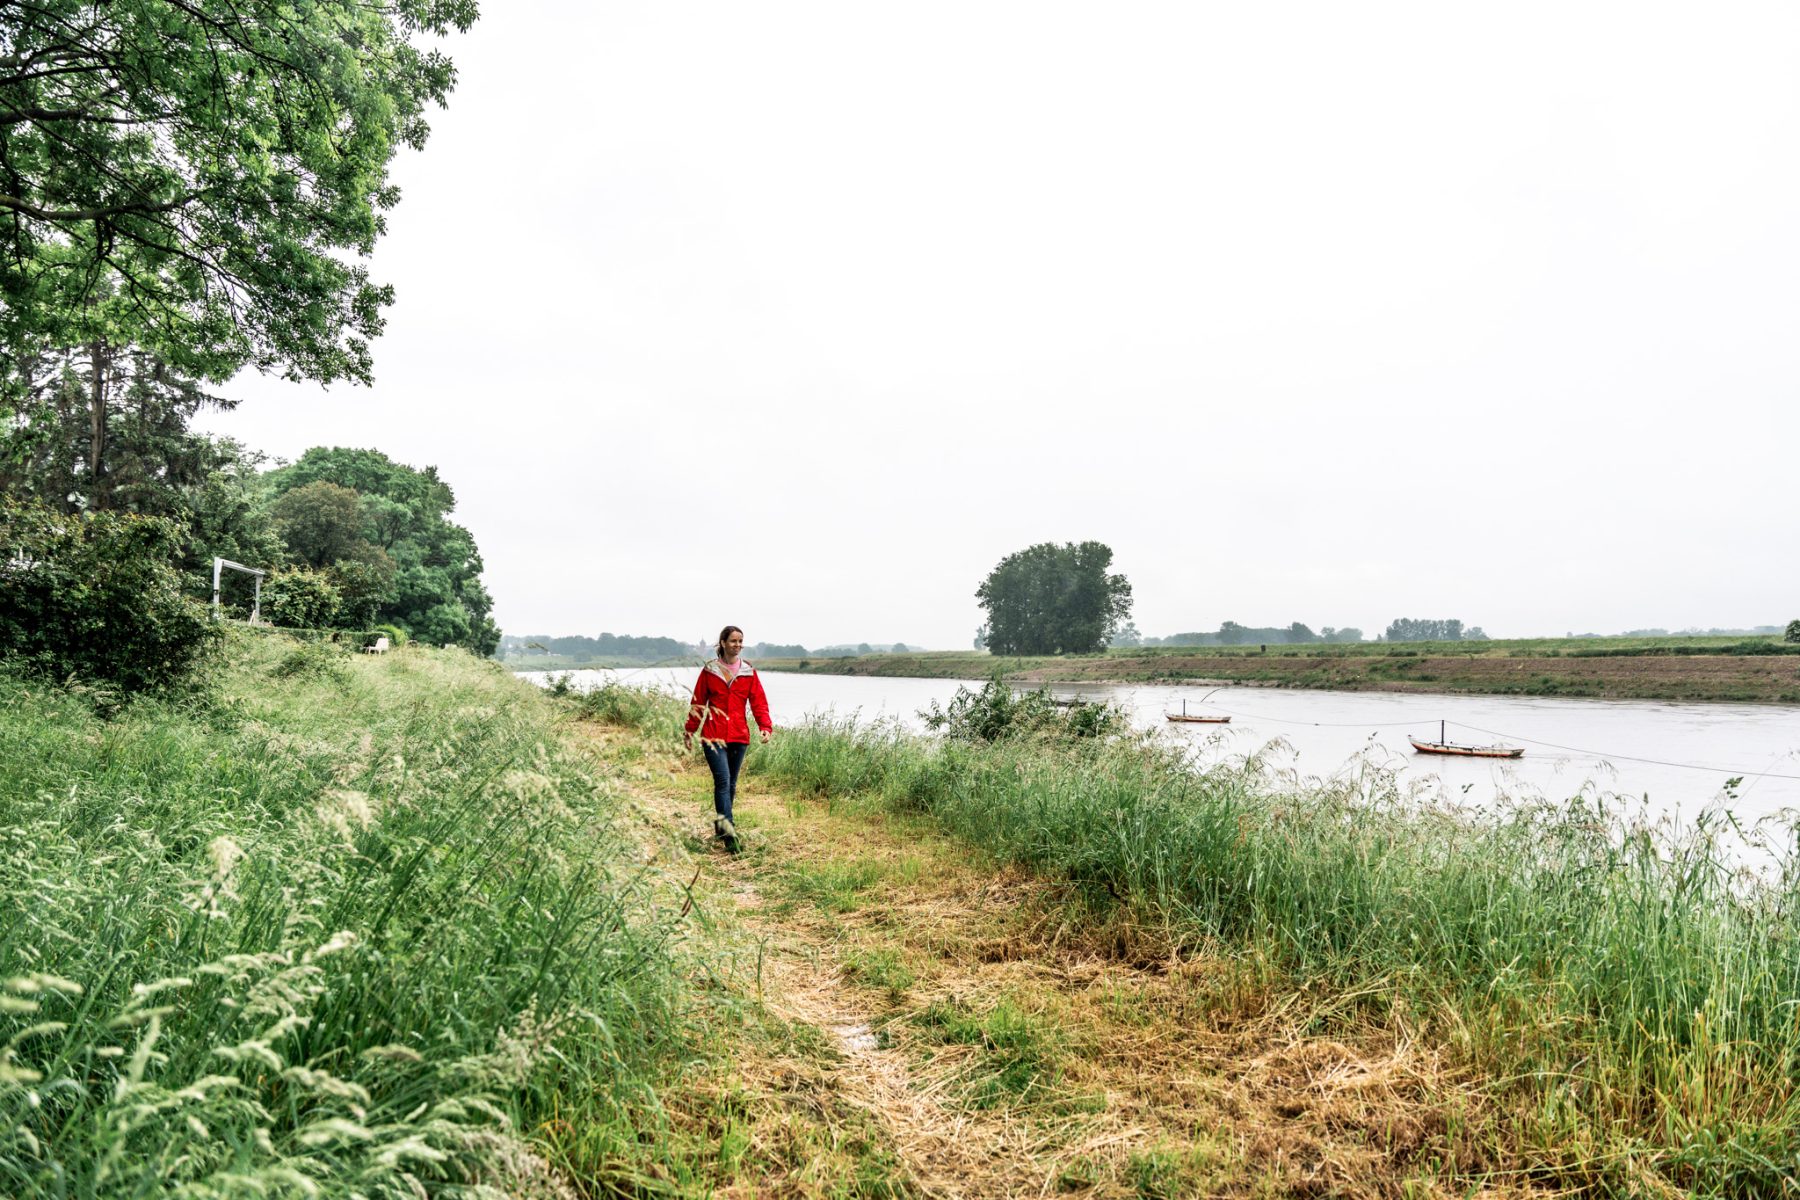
column 1675, row 759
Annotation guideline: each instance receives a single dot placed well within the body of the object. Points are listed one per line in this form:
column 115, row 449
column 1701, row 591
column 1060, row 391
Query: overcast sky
column 801, row 316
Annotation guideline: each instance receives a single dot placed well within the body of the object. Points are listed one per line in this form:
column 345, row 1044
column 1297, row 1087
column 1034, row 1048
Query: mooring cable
column 1513, row 737
column 1600, row 754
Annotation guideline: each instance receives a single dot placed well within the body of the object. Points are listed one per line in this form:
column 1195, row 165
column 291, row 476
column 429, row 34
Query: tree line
column 1066, row 599
column 590, row 649
column 1414, row 629
column 350, row 537
column 184, row 195
column 627, row 648
column 1230, row 633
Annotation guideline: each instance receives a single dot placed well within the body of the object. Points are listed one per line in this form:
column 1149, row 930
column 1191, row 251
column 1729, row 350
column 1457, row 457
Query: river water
column 1672, row 759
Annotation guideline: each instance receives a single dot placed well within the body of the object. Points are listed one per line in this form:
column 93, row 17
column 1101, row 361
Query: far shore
column 1555, row 667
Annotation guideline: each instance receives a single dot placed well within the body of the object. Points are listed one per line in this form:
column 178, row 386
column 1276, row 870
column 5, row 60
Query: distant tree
column 1193, row 638
column 1126, row 635
column 105, row 429
column 1411, row 629
column 764, row 650
column 301, row 598
column 365, row 580
column 431, row 566
column 1300, row 634
column 226, row 518
column 385, row 522
column 319, row 523
column 199, row 178
column 1233, row 634
column 899, row 648
column 1793, row 632
column 580, row 648
column 1347, row 634
column 1051, row 599
column 981, row 636
column 1474, row 633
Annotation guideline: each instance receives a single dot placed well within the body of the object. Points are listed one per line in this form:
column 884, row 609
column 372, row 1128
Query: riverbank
column 1652, row 669
column 936, row 1022
column 405, row 926
column 1570, row 1004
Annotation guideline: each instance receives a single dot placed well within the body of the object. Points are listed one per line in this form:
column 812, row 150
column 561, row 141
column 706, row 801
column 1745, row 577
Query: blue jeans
column 725, row 762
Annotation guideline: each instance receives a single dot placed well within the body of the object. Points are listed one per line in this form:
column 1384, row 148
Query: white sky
column 801, row 316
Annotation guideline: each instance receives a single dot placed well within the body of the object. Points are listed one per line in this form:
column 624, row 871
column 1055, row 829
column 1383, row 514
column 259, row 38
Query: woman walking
column 726, row 685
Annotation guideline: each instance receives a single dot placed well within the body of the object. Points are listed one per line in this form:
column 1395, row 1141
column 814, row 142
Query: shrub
column 650, row 712
column 1793, row 632
column 98, row 597
column 301, row 599
column 997, row 711
column 313, row 660
column 395, row 635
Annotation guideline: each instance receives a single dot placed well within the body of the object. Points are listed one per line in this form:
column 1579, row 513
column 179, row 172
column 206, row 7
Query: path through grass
column 974, row 1031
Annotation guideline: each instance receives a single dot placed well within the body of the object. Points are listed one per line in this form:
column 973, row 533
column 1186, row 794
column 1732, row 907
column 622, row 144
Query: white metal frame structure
column 256, row 602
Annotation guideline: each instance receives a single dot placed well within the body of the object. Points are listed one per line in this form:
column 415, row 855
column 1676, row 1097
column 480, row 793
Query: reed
column 1633, row 996
column 344, row 927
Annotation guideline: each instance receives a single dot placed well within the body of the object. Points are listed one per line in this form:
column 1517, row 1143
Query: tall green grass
column 1633, row 996
column 349, row 927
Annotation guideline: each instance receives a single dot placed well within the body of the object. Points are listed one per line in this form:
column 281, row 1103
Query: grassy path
column 919, row 1022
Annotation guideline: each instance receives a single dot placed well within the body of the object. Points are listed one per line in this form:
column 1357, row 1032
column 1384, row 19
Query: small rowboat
column 1196, row 719
column 1445, row 746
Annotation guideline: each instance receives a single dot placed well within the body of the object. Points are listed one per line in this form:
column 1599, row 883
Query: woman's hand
column 766, row 735
column 687, row 741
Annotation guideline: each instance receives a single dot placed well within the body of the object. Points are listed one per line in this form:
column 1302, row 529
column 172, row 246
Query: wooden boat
column 1196, row 719
column 1445, row 746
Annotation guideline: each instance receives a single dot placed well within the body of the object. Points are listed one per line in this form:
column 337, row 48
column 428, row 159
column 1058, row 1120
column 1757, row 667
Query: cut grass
column 833, row 887
column 883, row 968
column 1019, row 1054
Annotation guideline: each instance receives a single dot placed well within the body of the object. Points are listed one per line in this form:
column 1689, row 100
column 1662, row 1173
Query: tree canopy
column 196, row 178
column 382, row 531
column 1051, row 599
column 107, row 431
column 1417, row 629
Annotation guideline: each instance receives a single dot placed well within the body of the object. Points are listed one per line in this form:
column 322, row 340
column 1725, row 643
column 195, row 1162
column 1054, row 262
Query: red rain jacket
column 720, row 704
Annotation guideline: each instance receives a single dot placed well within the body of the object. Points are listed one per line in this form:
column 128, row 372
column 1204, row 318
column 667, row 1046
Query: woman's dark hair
column 724, row 633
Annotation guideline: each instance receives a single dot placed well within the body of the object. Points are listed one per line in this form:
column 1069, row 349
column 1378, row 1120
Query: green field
column 1665, row 668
